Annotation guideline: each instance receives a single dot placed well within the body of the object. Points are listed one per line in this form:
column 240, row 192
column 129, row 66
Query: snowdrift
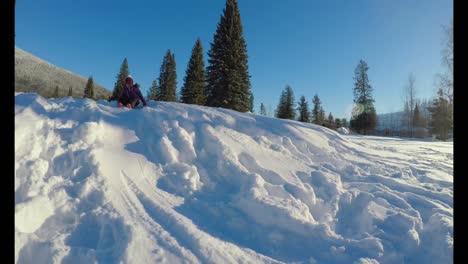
column 343, row 130
column 176, row 183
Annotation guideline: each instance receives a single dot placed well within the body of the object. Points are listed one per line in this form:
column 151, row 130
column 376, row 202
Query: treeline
column 422, row 117
column 364, row 114
column 88, row 91
column 225, row 82
column 288, row 109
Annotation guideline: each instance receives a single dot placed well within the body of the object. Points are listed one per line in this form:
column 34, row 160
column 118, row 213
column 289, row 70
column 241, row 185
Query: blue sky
column 312, row 45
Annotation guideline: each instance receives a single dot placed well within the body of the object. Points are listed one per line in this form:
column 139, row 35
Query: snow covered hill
column 176, row 183
column 33, row 74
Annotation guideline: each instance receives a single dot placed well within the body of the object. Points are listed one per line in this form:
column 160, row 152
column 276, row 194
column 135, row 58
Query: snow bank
column 343, row 130
column 179, row 183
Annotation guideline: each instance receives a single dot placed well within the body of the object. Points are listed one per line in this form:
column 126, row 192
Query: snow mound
column 176, row 183
column 343, row 130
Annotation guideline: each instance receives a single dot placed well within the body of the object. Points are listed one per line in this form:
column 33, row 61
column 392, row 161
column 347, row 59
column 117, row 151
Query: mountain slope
column 175, row 183
column 33, row 74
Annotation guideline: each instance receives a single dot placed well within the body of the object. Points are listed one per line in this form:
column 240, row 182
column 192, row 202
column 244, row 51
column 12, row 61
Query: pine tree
column 418, row 122
column 172, row 80
column 89, row 89
column 56, row 92
column 441, row 120
column 330, row 121
column 193, row 90
column 368, row 119
column 344, row 122
column 285, row 108
column 263, row 110
column 280, row 109
column 364, row 115
column 321, row 118
column 416, row 116
column 168, row 79
column 424, row 113
column 120, row 80
column 303, row 109
column 251, row 102
column 153, row 91
column 70, row 91
column 316, row 110
column 228, row 80
column 337, row 122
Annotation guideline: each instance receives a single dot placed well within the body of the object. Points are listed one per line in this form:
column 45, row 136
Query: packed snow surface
column 176, row 183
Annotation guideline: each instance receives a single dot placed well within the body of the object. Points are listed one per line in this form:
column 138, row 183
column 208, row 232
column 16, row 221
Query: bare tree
column 409, row 103
column 446, row 79
column 269, row 111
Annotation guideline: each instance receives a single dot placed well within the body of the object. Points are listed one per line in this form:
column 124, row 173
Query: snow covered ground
column 175, row 183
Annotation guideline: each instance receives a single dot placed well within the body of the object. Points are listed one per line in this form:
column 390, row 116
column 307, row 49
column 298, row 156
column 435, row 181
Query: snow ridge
column 176, row 183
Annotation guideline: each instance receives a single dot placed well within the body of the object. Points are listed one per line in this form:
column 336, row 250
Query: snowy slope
column 175, row 183
column 37, row 75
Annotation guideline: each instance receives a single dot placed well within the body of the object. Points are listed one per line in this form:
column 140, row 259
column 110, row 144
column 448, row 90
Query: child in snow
column 131, row 94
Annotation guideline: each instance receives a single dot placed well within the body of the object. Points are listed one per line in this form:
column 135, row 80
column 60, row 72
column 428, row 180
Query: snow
column 176, row 183
column 343, row 130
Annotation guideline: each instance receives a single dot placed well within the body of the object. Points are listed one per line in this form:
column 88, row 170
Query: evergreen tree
column 303, row 109
column 338, row 122
column 416, row 116
column 316, row 110
column 368, row 118
column 285, row 108
column 228, row 80
column 120, row 80
column 441, row 120
column 153, row 91
column 251, row 102
column 321, row 118
column 56, row 92
column 330, row 121
column 168, row 78
column 70, row 91
column 425, row 115
column 344, row 122
column 193, row 90
column 263, row 110
column 364, row 115
column 89, row 89
column 418, row 122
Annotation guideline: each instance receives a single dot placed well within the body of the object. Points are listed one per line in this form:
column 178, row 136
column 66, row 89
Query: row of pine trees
column 364, row 117
column 225, row 82
column 286, row 110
